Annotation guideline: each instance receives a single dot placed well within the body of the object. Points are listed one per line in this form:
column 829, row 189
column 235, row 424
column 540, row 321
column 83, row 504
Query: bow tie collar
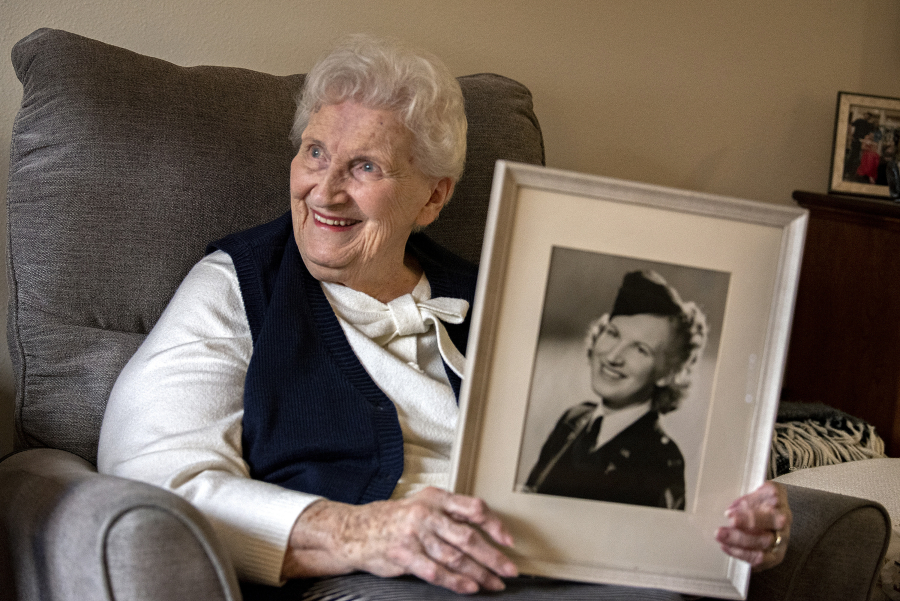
column 395, row 325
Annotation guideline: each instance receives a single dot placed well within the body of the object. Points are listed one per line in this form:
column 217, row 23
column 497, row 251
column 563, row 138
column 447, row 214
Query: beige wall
column 732, row 98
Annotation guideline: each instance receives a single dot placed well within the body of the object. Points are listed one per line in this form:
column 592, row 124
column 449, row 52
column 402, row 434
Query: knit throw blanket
column 813, row 434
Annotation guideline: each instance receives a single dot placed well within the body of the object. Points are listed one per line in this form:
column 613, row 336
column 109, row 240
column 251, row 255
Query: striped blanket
column 813, row 434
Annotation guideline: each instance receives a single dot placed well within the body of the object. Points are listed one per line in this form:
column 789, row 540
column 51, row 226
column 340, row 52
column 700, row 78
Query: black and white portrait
column 621, row 385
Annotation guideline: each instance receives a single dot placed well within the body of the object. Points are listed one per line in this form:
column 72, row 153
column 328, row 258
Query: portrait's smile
column 609, row 373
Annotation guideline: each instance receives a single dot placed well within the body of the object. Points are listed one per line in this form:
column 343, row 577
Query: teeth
column 611, row 372
column 337, row 222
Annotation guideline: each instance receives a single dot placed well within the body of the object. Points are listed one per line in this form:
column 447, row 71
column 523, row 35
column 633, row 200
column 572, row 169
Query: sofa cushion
column 123, row 167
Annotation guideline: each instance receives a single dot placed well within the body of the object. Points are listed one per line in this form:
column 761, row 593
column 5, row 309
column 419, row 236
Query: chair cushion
column 123, row 167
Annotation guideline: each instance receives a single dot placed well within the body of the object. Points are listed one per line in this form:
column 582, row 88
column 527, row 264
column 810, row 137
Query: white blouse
column 174, row 415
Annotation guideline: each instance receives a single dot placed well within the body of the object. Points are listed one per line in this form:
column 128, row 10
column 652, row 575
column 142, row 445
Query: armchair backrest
column 124, row 166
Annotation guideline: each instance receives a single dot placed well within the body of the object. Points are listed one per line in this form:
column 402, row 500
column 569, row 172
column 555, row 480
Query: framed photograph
column 866, row 137
column 623, row 373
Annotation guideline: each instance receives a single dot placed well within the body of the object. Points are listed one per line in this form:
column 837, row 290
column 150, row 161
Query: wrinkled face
column 629, row 357
column 356, row 196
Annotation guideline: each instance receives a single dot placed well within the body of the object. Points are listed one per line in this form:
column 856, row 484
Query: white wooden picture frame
column 557, row 238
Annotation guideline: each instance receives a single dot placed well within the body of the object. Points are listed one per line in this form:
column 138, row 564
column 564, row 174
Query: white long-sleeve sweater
column 174, row 415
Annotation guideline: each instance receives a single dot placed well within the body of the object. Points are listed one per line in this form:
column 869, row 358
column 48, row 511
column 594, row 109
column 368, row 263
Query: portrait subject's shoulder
column 665, row 446
column 576, row 412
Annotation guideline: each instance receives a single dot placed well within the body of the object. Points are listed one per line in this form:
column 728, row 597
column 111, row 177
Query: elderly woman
column 301, row 387
column 641, row 355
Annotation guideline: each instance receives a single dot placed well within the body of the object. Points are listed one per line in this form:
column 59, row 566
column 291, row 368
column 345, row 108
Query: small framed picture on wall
column 866, row 138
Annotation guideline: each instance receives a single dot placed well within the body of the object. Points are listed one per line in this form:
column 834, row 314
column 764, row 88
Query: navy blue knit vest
column 314, row 420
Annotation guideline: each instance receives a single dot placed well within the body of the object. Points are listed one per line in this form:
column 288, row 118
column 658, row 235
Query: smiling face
column 629, row 357
column 356, row 195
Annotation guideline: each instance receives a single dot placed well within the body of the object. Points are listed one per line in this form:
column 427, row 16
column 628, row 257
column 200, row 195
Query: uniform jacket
column 641, row 465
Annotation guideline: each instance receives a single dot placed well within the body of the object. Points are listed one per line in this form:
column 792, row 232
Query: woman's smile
column 609, row 372
column 333, row 222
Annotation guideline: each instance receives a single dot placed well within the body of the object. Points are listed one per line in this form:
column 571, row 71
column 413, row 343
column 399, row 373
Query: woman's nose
column 328, row 188
column 615, row 356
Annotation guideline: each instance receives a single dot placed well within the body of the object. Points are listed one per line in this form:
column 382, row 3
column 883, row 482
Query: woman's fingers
column 766, row 508
column 451, row 534
column 462, row 570
column 751, row 548
column 434, row 535
column 759, row 527
column 471, row 544
column 476, row 512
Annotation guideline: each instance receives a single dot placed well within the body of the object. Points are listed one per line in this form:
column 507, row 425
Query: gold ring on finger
column 777, row 543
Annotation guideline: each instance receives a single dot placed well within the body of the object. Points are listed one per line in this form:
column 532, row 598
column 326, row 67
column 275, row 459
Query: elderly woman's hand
column 435, row 535
column 759, row 527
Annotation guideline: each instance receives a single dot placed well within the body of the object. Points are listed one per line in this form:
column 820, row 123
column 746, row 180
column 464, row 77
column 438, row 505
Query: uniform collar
column 616, row 420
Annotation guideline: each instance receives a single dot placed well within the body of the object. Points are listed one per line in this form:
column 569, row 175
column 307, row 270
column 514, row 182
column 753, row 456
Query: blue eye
column 315, row 152
column 369, row 169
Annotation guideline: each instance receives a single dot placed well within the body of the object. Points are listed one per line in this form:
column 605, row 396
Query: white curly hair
column 385, row 74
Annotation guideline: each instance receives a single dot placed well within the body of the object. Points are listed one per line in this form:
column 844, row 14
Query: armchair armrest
column 837, row 544
column 67, row 532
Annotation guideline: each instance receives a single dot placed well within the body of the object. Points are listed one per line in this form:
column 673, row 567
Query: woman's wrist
column 312, row 546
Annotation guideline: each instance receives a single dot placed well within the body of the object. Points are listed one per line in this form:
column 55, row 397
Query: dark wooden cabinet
column 845, row 341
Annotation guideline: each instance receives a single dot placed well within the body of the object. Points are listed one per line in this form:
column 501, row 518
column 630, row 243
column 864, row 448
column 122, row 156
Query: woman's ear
column 440, row 194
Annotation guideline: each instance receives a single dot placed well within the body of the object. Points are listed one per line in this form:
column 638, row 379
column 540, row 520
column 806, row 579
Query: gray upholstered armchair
column 122, row 168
